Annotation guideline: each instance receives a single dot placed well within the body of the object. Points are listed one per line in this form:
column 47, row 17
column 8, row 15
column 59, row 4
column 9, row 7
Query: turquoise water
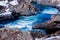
column 25, row 22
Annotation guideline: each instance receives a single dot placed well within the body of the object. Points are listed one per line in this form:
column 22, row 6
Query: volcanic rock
column 25, row 9
column 9, row 34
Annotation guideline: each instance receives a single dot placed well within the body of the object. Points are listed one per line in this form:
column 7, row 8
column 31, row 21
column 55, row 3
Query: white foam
column 14, row 2
column 2, row 3
column 50, row 11
column 20, row 25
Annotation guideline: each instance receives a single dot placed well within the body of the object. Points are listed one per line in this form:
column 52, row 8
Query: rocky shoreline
column 41, row 19
column 16, row 34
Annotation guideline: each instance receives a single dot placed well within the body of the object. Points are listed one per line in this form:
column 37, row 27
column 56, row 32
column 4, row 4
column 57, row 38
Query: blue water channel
column 25, row 22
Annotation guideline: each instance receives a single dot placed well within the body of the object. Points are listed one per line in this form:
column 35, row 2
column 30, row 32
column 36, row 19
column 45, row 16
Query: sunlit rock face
column 26, row 9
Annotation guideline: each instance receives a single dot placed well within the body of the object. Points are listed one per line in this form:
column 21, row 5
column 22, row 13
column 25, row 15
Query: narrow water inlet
column 25, row 22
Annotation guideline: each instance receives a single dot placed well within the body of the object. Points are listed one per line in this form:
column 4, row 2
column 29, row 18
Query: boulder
column 25, row 9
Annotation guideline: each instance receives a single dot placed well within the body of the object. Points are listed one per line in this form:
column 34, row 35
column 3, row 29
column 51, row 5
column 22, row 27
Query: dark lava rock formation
column 9, row 34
